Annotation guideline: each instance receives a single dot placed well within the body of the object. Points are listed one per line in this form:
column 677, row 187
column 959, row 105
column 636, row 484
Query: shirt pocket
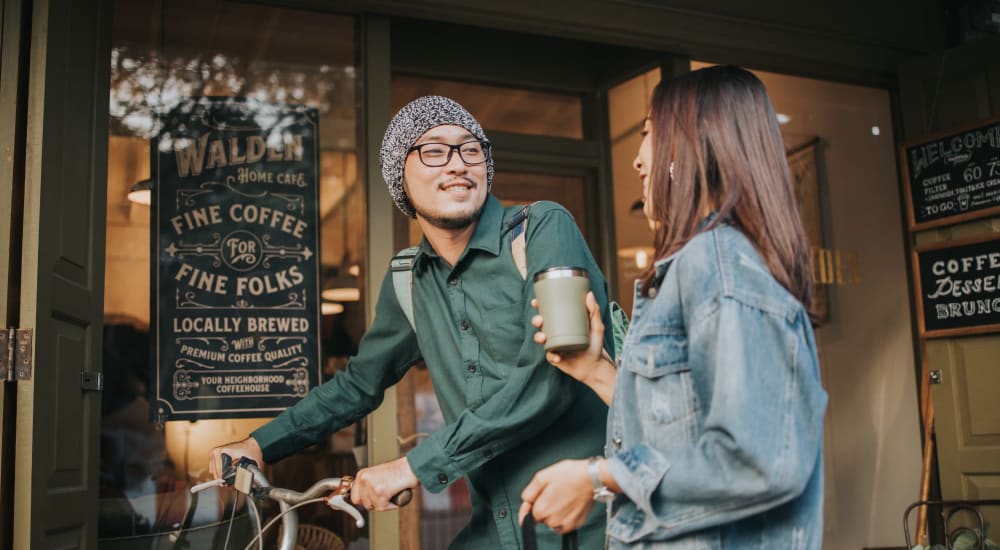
column 662, row 385
column 505, row 332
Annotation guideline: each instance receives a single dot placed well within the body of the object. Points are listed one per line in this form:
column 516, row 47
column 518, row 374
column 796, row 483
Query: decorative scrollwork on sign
column 296, row 361
column 295, row 301
column 299, row 252
column 181, row 363
column 211, row 249
column 183, row 385
column 299, row 382
column 292, row 202
column 278, row 340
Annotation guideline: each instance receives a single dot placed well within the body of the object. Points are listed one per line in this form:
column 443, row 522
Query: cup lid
column 561, row 272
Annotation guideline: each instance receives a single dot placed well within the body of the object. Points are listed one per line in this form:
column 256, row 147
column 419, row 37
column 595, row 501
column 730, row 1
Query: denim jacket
column 715, row 428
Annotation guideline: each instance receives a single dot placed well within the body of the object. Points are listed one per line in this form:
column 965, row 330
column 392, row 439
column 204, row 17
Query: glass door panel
column 163, row 53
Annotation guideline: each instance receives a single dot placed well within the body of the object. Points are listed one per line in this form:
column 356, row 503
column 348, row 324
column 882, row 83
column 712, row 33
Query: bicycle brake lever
column 230, row 468
column 339, row 502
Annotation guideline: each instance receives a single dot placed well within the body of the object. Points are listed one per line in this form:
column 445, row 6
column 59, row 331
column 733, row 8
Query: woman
column 716, row 420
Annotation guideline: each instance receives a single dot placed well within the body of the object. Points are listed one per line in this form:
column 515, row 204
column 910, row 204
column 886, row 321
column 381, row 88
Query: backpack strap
column 518, row 228
column 402, row 280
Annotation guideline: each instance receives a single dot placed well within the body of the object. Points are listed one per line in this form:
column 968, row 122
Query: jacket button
column 653, row 292
column 464, row 325
column 502, row 513
column 488, row 454
column 442, row 479
column 453, row 281
column 472, row 367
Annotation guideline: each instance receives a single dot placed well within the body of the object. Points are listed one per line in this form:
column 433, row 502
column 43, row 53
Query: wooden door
column 62, row 266
column 937, row 93
column 12, row 70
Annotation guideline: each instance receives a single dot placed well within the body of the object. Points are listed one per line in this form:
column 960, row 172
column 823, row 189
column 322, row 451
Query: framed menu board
column 235, row 270
column 958, row 286
column 952, row 176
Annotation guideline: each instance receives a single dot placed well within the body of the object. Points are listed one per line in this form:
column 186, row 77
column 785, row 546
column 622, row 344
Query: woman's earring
column 671, row 171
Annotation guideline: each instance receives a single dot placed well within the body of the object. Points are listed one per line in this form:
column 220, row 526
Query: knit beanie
column 415, row 118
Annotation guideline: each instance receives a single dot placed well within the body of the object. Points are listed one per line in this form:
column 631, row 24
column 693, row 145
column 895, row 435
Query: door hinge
column 92, row 381
column 16, row 362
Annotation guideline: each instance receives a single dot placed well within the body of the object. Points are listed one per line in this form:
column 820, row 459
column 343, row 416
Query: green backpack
column 402, row 276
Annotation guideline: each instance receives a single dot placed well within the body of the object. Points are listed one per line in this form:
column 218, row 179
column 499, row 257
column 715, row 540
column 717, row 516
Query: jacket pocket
column 662, row 385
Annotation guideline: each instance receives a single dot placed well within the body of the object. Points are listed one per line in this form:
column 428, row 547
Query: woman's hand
column 589, row 366
column 559, row 496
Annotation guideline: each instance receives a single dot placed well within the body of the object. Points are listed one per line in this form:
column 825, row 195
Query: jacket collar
column 660, row 266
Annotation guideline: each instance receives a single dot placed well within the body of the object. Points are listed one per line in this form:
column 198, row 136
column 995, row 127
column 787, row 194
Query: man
column 508, row 413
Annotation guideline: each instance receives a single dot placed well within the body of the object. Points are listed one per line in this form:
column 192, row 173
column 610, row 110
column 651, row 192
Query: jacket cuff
column 432, row 466
column 638, row 471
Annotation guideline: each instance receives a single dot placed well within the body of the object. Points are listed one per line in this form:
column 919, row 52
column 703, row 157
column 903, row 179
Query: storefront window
column 263, row 59
column 499, row 108
column 628, row 105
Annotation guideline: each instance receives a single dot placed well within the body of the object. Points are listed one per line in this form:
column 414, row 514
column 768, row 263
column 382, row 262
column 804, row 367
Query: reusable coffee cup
column 562, row 295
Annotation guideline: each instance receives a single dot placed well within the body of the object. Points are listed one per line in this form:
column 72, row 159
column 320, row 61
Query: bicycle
column 246, row 478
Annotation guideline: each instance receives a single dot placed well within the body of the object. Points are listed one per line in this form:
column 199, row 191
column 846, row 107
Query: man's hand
column 559, row 496
column 373, row 487
column 236, row 450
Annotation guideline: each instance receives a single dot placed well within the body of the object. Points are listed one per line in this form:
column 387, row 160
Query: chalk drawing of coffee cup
column 963, row 201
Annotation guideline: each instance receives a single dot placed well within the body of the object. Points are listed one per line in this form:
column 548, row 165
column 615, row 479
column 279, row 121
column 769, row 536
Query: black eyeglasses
column 439, row 154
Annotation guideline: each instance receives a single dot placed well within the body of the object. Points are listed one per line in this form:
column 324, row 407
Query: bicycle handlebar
column 338, row 489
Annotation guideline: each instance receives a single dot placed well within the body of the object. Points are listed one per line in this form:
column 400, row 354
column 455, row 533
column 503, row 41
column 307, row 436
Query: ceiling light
column 142, row 192
column 341, row 294
column 331, row 308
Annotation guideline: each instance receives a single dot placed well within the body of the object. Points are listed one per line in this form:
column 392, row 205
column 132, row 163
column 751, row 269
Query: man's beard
column 450, row 223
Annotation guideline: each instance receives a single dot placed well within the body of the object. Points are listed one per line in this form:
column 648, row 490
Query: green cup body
column 562, row 294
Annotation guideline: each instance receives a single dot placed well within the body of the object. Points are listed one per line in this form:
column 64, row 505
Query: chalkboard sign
column 959, row 287
column 235, row 271
column 952, row 176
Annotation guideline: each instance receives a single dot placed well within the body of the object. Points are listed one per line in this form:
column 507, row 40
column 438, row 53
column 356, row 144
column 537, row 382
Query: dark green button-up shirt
column 508, row 413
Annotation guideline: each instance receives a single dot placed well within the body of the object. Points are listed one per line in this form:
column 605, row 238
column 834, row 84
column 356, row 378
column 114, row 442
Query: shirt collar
column 486, row 236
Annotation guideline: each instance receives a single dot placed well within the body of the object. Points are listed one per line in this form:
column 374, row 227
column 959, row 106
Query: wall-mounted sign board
column 235, row 270
column 958, row 286
column 952, row 176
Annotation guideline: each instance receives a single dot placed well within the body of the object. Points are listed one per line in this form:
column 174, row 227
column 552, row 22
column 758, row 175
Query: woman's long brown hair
column 718, row 127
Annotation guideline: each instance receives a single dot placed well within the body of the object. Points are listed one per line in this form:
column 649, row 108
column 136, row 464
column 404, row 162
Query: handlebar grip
column 402, row 498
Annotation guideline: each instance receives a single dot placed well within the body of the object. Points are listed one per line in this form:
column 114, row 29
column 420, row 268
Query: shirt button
column 464, row 325
column 502, row 513
column 453, row 281
column 442, row 479
column 617, row 442
column 472, row 367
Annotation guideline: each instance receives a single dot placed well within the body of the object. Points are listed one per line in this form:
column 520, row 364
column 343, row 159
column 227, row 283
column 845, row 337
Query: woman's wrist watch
column 601, row 492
